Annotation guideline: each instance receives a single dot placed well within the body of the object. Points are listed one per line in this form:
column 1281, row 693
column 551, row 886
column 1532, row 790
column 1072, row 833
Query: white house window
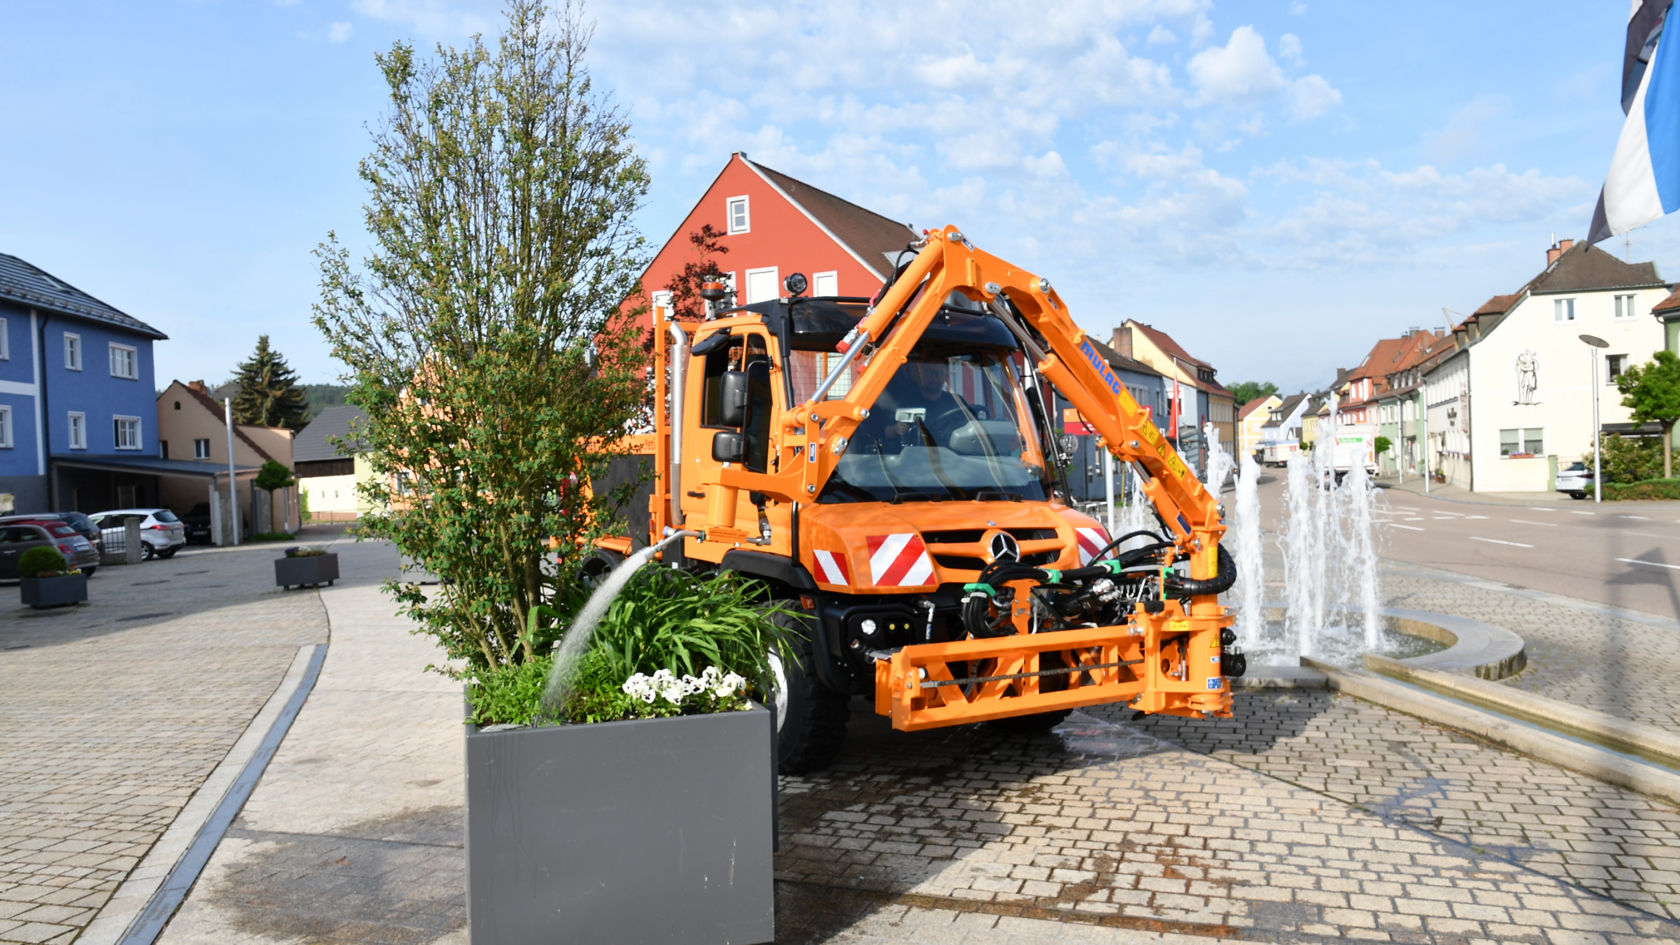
column 5, row 427
column 5, row 344
column 201, row 449
column 1613, row 367
column 1624, row 306
column 1524, row 441
column 78, row 430
column 72, row 352
column 825, row 283
column 125, row 361
column 127, row 431
column 739, row 222
column 1563, row 310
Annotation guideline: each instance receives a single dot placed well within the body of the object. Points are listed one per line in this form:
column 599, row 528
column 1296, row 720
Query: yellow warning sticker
column 1178, row 626
column 1177, row 466
column 1147, row 430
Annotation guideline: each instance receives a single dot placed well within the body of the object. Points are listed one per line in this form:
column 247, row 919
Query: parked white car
column 161, row 533
column 1575, row 480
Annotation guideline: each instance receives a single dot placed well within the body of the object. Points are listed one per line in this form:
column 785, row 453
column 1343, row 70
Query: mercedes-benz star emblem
column 1002, row 546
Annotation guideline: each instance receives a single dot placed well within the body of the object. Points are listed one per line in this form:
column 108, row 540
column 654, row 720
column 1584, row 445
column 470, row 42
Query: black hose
column 1223, row 578
column 1140, row 533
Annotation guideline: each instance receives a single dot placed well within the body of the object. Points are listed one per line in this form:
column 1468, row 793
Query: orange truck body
column 886, row 582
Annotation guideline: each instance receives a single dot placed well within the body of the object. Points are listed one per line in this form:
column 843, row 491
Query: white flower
column 728, row 686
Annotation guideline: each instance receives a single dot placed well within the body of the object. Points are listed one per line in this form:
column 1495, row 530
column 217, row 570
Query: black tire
column 88, row 572
column 810, row 717
column 170, row 553
column 146, row 552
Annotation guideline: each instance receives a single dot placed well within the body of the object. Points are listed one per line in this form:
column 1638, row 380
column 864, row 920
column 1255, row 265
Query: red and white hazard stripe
column 899, row 561
column 831, row 568
column 1091, row 541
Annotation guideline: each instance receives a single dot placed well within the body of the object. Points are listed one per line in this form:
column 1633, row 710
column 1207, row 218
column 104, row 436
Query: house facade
column 329, row 469
column 1524, row 374
column 772, row 226
column 1667, row 312
column 192, row 427
column 1281, row 432
column 1195, row 397
column 1251, row 418
column 77, row 428
column 1087, row 472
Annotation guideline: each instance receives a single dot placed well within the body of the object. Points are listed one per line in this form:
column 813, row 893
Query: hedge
column 1645, row 489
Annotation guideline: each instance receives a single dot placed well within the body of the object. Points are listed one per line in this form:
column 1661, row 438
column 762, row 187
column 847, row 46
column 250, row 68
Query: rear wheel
column 146, row 552
column 810, row 717
column 89, row 571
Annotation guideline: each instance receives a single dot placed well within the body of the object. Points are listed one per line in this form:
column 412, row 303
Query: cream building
column 192, row 426
column 1516, row 400
column 1250, row 419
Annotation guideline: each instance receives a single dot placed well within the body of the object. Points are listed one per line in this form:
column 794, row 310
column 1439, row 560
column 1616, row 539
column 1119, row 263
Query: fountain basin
column 1453, row 645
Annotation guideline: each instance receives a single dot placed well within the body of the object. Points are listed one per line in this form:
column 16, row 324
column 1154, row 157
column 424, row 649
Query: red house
column 774, row 226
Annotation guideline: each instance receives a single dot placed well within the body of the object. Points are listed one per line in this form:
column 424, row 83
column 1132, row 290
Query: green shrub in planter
column 41, row 562
column 1647, row 489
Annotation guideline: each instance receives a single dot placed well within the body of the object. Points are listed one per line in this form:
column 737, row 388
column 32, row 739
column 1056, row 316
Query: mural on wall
column 1528, row 377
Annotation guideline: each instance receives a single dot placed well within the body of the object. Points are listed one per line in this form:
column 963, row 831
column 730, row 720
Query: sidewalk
column 1451, row 493
column 1311, row 817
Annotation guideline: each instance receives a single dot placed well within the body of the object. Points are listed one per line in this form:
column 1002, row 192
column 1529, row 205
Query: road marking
column 1536, row 508
column 1406, row 508
column 1575, row 512
column 1410, row 528
column 1439, row 512
column 1650, row 564
column 1415, row 518
column 1496, row 541
column 1472, row 517
column 1638, row 518
column 1524, row 521
column 1442, row 518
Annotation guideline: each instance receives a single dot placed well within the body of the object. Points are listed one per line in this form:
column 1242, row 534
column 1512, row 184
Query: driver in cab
column 923, row 411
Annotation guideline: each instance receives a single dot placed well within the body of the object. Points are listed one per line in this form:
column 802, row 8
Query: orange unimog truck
column 888, row 467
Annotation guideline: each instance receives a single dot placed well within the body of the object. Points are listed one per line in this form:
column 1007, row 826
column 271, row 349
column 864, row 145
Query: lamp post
column 1595, row 342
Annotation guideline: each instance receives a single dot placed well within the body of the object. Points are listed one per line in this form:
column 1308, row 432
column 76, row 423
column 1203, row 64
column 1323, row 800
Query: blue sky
column 1277, row 184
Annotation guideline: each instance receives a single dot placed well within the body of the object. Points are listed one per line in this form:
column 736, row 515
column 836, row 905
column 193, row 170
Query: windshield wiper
column 994, row 495
column 899, row 497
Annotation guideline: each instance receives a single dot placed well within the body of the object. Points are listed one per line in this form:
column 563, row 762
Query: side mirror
column 729, row 447
column 732, row 399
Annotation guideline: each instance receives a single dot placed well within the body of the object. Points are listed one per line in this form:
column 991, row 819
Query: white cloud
column 339, row 32
column 1160, row 35
column 1240, row 72
column 1289, row 47
column 1298, row 8
column 435, row 19
column 1310, row 97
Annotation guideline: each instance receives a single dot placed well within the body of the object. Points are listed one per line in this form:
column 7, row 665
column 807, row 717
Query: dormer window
column 739, row 219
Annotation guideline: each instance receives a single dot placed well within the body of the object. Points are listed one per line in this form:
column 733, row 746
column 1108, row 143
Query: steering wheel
column 948, row 419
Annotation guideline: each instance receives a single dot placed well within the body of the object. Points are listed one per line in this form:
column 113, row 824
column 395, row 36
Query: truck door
column 746, row 353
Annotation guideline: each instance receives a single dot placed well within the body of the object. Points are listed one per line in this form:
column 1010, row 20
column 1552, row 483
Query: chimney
column 1121, row 341
column 197, row 386
column 1553, row 254
column 1565, row 245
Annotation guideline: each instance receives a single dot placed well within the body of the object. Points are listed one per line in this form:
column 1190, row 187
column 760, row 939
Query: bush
column 1629, row 459
column 1648, row 489
column 37, row 562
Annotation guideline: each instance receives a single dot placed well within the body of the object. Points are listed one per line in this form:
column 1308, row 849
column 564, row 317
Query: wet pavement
column 1311, row 817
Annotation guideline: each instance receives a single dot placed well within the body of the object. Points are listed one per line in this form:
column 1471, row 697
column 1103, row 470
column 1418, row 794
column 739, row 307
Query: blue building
column 1148, row 388
column 78, row 413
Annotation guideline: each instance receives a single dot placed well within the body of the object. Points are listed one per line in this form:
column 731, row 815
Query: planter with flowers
column 306, row 567
column 648, row 813
column 46, row 580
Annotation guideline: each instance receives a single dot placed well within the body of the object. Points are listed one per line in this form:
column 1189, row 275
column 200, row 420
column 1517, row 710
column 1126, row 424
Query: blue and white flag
column 1644, row 179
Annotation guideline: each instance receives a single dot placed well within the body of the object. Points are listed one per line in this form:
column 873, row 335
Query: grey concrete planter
column 54, row 591
column 306, row 571
column 656, row 830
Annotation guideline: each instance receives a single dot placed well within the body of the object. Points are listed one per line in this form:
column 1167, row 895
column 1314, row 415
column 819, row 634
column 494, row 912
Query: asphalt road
column 1626, row 554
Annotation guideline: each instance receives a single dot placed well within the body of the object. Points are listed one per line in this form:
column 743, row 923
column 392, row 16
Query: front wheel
column 810, row 717
column 146, row 552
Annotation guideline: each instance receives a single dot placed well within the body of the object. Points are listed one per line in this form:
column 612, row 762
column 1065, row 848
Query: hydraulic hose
column 1218, row 584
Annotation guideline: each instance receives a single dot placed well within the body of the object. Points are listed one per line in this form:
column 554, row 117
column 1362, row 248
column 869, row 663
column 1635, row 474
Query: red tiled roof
column 1168, row 346
column 1670, row 304
column 1253, row 405
column 1498, row 305
column 873, row 237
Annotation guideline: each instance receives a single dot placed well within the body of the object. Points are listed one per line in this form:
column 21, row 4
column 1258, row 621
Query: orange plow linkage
column 1156, row 663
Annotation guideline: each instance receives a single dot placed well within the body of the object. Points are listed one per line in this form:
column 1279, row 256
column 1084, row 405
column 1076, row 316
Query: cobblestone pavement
column 113, row 713
column 1274, row 835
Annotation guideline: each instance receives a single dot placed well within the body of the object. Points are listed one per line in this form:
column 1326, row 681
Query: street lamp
column 1595, row 342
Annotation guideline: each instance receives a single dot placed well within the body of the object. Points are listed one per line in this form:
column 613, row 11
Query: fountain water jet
column 576, row 642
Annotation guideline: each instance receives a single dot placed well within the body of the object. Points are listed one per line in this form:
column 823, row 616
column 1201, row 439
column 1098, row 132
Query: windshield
column 949, row 425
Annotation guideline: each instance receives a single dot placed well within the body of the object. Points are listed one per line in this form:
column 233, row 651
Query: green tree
column 1245, row 391
column 271, row 478
column 1381, row 444
column 269, row 395
column 482, row 330
column 1652, row 392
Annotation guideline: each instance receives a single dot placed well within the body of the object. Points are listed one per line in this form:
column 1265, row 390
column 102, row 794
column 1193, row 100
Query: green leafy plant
column 1651, row 391
column 271, row 478
column 305, row 551
column 1647, row 489
column 41, row 562
column 1628, row 459
column 669, row 644
column 1382, row 444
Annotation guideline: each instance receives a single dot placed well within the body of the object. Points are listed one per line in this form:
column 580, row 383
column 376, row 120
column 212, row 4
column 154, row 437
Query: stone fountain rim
column 1472, row 646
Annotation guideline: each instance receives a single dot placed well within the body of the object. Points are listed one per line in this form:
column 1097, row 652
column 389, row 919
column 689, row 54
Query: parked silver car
column 161, row 533
column 1575, row 480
